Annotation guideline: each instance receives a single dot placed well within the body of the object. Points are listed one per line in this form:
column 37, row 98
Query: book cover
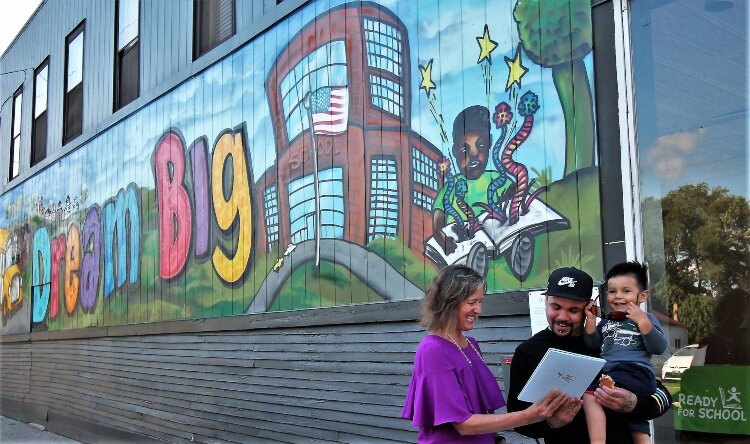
column 568, row 372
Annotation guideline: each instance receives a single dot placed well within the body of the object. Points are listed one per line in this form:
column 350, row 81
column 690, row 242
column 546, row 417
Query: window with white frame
column 73, row 106
column 387, row 95
column 271, row 210
column 15, row 142
column 424, row 169
column 127, row 53
column 324, row 67
column 383, row 44
column 39, row 125
column 213, row 23
column 302, row 209
column 383, row 221
column 422, row 200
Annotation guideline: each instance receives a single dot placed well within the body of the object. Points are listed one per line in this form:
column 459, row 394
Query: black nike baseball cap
column 570, row 283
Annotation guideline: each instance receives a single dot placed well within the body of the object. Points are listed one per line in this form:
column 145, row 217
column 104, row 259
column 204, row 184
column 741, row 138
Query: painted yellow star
column 427, row 84
column 486, row 46
column 516, row 70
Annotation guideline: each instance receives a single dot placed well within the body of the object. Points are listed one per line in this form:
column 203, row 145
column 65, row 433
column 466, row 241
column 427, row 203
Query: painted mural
column 342, row 157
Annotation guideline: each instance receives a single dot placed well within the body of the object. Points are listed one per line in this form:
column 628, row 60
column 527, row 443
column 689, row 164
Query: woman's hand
column 554, row 404
column 565, row 414
column 557, row 408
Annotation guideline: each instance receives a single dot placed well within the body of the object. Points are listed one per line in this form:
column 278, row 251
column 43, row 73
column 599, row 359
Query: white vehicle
column 676, row 365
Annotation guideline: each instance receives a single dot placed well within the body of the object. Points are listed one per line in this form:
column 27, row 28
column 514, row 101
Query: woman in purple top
column 453, row 394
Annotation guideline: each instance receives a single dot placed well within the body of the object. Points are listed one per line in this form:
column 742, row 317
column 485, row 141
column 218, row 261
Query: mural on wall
column 342, row 157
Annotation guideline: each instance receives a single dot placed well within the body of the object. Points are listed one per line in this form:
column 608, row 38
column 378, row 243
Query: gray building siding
column 282, row 381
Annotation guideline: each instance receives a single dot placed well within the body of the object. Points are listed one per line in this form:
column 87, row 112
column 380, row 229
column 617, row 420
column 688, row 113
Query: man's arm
column 637, row 408
column 650, row 407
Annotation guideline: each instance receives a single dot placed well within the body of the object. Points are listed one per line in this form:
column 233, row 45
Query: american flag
column 330, row 109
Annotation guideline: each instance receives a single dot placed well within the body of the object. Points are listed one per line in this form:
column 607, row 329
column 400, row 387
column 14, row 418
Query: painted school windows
column 302, row 211
column 387, row 95
column 15, row 142
column 422, row 200
column 73, row 106
column 127, row 53
column 321, row 72
column 383, row 198
column 39, row 124
column 424, row 169
column 213, row 23
column 383, row 46
column 271, row 210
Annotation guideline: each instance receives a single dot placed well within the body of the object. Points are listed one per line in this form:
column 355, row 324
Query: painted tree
column 557, row 35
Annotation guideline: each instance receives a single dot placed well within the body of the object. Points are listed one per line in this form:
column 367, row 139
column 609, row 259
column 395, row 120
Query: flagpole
column 316, row 184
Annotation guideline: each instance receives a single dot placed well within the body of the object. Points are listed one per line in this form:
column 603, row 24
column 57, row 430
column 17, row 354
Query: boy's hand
column 590, row 312
column 638, row 316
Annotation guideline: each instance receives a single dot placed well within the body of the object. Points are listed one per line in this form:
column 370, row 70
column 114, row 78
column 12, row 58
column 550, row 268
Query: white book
column 568, row 372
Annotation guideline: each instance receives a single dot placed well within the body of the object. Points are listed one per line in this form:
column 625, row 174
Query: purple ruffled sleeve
column 444, row 388
column 435, row 398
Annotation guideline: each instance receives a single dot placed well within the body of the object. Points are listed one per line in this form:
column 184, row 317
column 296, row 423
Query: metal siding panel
column 178, row 35
column 162, row 31
column 171, row 38
column 186, row 51
column 105, row 60
column 244, row 14
column 54, row 86
column 90, row 77
column 96, row 63
column 90, row 71
column 257, row 11
column 153, row 42
column 182, row 57
column 149, row 34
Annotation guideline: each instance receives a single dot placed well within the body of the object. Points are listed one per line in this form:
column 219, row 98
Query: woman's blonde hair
column 453, row 285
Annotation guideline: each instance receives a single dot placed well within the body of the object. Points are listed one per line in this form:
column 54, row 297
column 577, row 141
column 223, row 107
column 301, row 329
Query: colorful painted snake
column 519, row 205
column 447, row 204
column 495, row 211
column 461, row 188
column 527, row 107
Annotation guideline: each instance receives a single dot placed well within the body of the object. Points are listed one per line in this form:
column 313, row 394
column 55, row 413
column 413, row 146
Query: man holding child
column 567, row 297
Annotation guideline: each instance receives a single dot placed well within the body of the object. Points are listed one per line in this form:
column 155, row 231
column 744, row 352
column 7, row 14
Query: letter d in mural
column 41, row 271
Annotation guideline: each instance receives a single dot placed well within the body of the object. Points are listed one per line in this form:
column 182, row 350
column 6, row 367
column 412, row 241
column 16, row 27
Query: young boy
column 627, row 338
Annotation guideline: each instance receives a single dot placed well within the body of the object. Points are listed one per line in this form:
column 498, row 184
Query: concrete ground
column 12, row 431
